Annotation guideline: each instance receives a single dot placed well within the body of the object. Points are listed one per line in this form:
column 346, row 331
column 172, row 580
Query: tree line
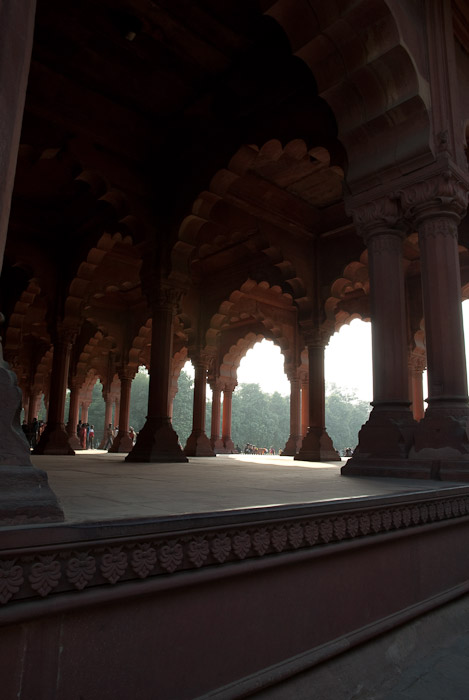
column 258, row 418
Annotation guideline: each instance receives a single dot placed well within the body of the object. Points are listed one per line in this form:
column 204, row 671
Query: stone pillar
column 304, row 403
column 416, row 367
column 54, row 440
column 158, row 441
column 117, row 411
column 33, row 407
column 73, row 417
column 386, row 438
column 108, row 404
column 122, row 441
column 295, row 438
column 215, row 440
column 85, row 407
column 25, row 495
column 436, row 207
column 228, row 445
column 317, row 445
column 198, row 444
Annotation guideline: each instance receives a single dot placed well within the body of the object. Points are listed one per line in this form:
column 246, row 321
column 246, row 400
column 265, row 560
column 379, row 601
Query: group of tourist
column 33, row 431
column 250, row 449
column 85, row 434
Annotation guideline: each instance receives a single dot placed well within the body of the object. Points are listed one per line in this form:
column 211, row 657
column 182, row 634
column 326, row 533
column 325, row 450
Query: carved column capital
column 378, row 217
column 442, row 197
column 417, row 362
column 318, row 337
column 163, row 296
column 229, row 385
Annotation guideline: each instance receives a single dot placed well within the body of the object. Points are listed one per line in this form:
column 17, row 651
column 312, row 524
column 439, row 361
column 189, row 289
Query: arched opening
column 349, row 384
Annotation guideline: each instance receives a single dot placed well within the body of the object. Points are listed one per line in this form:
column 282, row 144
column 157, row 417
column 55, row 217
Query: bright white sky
column 347, row 362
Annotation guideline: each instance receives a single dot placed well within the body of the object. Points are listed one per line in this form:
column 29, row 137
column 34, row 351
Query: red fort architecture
column 178, row 181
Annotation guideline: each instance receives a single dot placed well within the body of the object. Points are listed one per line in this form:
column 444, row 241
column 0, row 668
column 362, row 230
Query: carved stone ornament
column 37, row 575
column 164, row 296
column 442, row 196
column 379, row 216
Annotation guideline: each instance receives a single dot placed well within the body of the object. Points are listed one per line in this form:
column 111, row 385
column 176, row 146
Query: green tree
column 345, row 415
column 182, row 407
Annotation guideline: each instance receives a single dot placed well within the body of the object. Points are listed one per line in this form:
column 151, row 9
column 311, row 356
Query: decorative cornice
column 443, row 196
column 43, row 571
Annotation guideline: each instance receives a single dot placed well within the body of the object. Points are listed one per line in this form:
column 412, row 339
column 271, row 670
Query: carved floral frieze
column 26, row 574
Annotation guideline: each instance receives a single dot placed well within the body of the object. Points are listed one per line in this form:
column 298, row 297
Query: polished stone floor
column 95, row 485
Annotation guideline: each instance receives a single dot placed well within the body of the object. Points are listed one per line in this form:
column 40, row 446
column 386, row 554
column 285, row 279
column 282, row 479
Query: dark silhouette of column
column 25, row 495
column 198, row 444
column 157, row 441
column 317, row 445
column 228, row 388
column 54, row 440
column 73, row 416
column 386, row 438
column 436, row 207
column 295, row 438
column 304, row 380
column 122, row 442
column 215, row 440
column 109, row 398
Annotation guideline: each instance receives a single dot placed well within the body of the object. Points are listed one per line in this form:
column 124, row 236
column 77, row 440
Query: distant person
column 91, row 437
column 109, row 437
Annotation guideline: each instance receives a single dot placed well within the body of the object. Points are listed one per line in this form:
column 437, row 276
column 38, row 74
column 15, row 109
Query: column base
column 198, row 445
column 26, row 497
column 388, row 433
column 293, row 445
column 217, row 445
column 74, row 442
column 391, row 468
column 54, row 441
column 228, row 446
column 121, row 443
column 157, row 441
column 317, row 447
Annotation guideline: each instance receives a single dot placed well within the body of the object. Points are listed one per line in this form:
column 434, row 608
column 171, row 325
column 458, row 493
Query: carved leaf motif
column 376, row 522
column 198, row 551
column 326, row 530
column 279, row 538
column 113, row 564
column 462, row 506
column 171, row 556
column 81, row 569
column 424, row 513
column 221, row 547
column 365, row 524
column 143, row 559
column 396, row 518
column 440, row 511
column 406, row 517
column 432, row 511
column 241, row 544
column 340, row 529
column 295, row 536
column 311, row 531
column 261, row 541
column 352, row 526
column 415, row 515
column 11, row 580
column 45, row 575
column 386, row 518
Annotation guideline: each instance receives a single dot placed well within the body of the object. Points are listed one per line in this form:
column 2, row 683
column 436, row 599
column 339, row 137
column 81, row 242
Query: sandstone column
column 25, row 495
column 73, row 416
column 304, row 403
column 295, row 439
column 436, row 207
column 54, row 440
column 158, row 441
column 198, row 444
column 229, row 387
column 416, row 367
column 122, row 441
column 386, row 438
column 215, row 440
column 317, row 445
